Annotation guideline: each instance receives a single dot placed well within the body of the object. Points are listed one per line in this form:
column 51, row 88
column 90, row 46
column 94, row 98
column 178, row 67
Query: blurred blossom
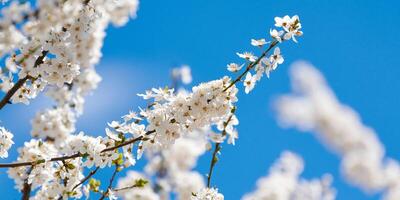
column 313, row 106
column 284, row 183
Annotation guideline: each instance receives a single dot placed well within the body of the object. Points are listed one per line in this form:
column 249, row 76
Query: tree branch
column 26, row 190
column 31, row 163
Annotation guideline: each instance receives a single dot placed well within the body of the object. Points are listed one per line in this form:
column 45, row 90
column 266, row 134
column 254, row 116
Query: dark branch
column 32, row 163
column 110, row 183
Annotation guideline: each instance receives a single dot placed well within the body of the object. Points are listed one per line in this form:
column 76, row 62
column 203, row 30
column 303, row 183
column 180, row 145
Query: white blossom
column 283, row 183
column 249, row 82
column 248, row 56
column 208, row 194
column 258, row 43
column 5, row 142
column 233, row 67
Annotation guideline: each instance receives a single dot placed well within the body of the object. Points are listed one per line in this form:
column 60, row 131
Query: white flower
column 233, row 67
column 5, row 142
column 283, row 22
column 276, row 59
column 291, row 25
column 249, row 82
column 258, row 43
column 277, row 35
column 248, row 56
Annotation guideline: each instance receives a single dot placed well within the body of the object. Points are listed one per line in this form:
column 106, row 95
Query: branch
column 217, row 148
column 31, row 163
column 21, row 82
column 126, row 188
column 252, row 64
column 85, row 179
column 111, row 182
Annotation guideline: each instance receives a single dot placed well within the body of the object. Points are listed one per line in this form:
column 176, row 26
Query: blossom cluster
column 314, row 107
column 54, row 41
column 208, row 193
column 171, row 114
column 283, row 182
column 5, row 142
column 290, row 29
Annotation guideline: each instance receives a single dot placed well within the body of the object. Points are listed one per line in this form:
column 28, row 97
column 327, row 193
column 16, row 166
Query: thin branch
column 85, row 179
column 251, row 65
column 110, row 183
column 217, row 148
column 126, row 188
column 31, row 163
column 128, row 142
column 21, row 82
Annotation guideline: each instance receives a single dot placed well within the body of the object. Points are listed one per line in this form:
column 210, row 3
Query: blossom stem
column 21, row 82
column 251, row 65
column 32, row 163
column 217, row 149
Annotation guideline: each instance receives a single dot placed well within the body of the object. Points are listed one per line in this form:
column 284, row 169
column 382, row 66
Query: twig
column 85, row 179
column 110, row 183
column 125, row 188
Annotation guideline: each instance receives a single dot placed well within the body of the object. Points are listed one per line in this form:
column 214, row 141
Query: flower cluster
column 207, row 194
column 314, row 107
column 54, row 124
column 265, row 64
column 172, row 114
column 283, row 183
column 5, row 142
column 36, row 151
column 92, row 149
column 54, row 41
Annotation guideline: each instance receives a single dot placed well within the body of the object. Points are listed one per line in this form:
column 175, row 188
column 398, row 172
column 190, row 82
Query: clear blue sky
column 354, row 43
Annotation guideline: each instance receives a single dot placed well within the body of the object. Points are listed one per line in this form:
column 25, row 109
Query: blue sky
column 354, row 43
